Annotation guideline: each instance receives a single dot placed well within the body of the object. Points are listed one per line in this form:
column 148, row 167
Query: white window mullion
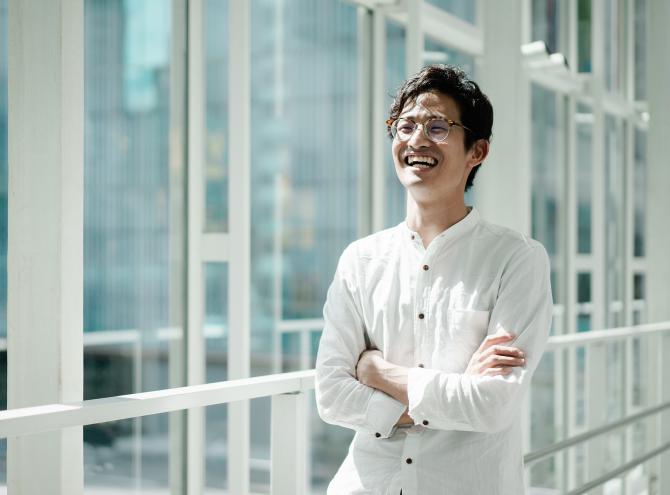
column 195, row 307
column 45, row 230
column 239, row 272
column 414, row 40
column 379, row 112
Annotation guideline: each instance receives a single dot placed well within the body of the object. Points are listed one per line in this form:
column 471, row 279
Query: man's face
column 450, row 163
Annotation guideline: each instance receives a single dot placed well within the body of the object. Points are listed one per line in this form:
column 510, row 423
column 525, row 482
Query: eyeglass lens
column 437, row 130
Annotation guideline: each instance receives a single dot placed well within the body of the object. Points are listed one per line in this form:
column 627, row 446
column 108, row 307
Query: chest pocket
column 460, row 335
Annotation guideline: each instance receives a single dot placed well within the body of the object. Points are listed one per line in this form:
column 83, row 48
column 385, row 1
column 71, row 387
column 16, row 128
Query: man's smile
column 420, row 161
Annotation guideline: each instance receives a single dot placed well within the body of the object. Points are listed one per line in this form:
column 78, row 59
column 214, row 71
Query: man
column 434, row 327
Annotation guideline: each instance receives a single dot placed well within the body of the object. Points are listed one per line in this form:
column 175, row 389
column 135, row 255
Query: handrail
column 601, row 480
column 587, row 435
column 38, row 419
column 601, row 336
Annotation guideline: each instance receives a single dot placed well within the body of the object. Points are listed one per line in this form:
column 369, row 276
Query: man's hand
column 493, row 358
column 368, row 367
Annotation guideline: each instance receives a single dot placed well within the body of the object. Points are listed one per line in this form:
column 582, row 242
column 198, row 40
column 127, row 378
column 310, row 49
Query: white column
column 45, row 248
column 658, row 231
column 502, row 186
column 380, row 143
column 239, row 273
column 289, row 439
column 195, row 307
column 414, row 43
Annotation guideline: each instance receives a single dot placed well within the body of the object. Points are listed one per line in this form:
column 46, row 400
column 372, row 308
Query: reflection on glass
column 304, row 189
column 583, row 287
column 580, row 377
column 640, row 193
column 640, row 13
column 584, row 122
column 132, row 281
column 216, row 115
column 546, row 23
column 614, row 137
column 584, row 35
column 546, row 178
column 543, row 419
column 638, row 286
column 216, row 348
column 394, row 77
column 613, row 44
column 465, row 9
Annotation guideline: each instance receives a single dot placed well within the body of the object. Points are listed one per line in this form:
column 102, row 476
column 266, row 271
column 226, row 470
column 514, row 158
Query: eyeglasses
column 437, row 130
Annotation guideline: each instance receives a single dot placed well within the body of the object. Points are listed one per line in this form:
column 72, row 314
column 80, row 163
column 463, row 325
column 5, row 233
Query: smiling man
column 434, row 327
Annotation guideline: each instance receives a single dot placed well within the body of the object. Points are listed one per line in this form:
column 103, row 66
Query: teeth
column 413, row 159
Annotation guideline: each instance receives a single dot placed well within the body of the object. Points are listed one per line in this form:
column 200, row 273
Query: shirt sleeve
column 341, row 399
column 456, row 401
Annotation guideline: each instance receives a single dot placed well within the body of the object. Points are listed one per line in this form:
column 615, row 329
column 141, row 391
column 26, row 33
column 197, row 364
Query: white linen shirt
column 429, row 310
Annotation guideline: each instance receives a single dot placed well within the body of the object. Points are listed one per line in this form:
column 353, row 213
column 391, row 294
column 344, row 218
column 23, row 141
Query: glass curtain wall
column 133, row 255
column 216, row 152
column 304, row 196
column 546, row 202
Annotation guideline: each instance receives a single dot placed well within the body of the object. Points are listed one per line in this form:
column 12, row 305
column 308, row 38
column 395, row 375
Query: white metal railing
column 289, row 409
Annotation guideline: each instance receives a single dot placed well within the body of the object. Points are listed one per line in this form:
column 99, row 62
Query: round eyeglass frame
column 393, row 124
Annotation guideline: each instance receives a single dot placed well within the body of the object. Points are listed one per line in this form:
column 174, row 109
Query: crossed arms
column 362, row 391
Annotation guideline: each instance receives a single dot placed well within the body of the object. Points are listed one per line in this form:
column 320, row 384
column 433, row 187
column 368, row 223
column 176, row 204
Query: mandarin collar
column 460, row 228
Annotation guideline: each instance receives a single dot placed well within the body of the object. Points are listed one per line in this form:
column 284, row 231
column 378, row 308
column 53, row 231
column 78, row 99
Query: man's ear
column 479, row 152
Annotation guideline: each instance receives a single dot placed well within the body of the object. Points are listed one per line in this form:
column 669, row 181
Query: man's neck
column 431, row 219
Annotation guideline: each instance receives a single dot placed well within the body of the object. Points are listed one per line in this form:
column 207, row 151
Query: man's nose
column 418, row 138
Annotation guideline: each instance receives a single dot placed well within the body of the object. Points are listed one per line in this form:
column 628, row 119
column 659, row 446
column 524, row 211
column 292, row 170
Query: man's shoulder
column 372, row 246
column 509, row 241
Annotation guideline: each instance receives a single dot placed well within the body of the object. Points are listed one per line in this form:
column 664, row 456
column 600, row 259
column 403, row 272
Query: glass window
column 584, row 174
column 547, row 173
column 583, row 287
column 465, row 9
column 395, row 75
column 216, row 348
column 584, row 35
column 133, row 266
column 546, row 23
column 216, row 115
column 640, row 194
column 614, row 44
column 614, row 135
column 640, row 20
column 304, row 187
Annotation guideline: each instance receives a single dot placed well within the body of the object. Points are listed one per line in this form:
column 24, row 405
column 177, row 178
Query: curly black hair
column 474, row 105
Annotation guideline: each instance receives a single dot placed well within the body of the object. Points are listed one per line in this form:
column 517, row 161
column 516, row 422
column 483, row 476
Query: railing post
column 596, row 361
column 288, row 444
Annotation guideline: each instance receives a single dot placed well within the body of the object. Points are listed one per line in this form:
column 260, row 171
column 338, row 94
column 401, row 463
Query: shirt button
column 378, row 435
column 425, row 267
column 408, row 460
column 420, row 365
column 425, row 422
column 421, row 316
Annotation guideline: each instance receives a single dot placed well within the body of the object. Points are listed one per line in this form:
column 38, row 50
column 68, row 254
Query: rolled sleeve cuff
column 418, row 380
column 383, row 413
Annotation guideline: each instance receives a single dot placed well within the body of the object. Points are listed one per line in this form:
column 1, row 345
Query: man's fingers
column 502, row 350
column 495, row 360
column 496, row 338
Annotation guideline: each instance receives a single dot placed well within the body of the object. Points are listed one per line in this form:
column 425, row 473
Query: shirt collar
column 457, row 230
